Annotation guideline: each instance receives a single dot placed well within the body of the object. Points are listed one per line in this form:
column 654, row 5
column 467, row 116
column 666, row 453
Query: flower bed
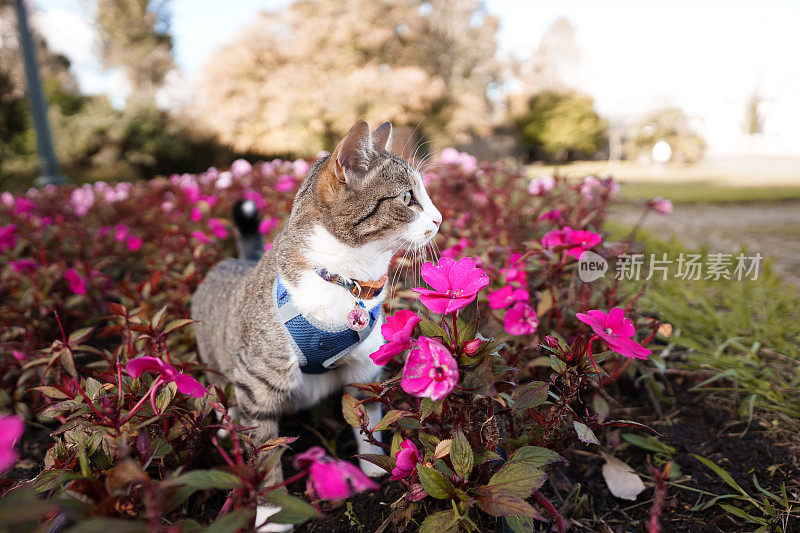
column 479, row 405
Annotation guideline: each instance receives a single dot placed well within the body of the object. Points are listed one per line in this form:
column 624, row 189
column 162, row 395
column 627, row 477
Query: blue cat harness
column 318, row 346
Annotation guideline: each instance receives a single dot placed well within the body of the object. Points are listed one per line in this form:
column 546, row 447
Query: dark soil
column 691, row 422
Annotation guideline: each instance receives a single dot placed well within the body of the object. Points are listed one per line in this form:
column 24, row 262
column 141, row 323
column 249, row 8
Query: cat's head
column 364, row 194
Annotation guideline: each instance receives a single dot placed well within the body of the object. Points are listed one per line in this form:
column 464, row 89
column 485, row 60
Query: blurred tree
column 296, row 79
column 553, row 66
column 134, row 35
column 670, row 125
column 560, row 126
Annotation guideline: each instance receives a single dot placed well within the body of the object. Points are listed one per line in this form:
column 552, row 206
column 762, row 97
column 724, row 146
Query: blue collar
column 318, row 346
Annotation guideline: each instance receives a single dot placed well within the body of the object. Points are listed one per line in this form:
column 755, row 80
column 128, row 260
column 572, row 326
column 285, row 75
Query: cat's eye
column 407, row 198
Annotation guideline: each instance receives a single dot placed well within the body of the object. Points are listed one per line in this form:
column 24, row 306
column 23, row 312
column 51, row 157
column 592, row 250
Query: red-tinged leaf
column 175, row 324
column 535, row 456
column 530, row 395
column 353, row 412
column 390, row 418
column 503, row 503
column 628, row 424
column 441, row 522
column 416, row 492
column 68, row 362
column 379, row 460
column 52, row 392
column 155, row 323
column 117, row 309
column 79, row 336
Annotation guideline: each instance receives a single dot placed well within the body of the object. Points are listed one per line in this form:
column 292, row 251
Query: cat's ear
column 354, row 154
column 382, row 137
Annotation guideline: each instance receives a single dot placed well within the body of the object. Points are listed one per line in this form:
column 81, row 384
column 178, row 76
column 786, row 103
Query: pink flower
column 616, row 330
column 451, row 156
column 8, row 238
column 502, row 298
column 7, row 199
column 553, row 238
column 241, row 168
column 660, row 205
column 553, row 214
column 430, row 370
column 329, row 478
column 224, row 180
column 120, row 232
column 23, row 266
column 541, row 185
column 18, row 355
column 285, row 183
column 521, row 319
column 257, row 198
column 192, row 192
column 470, row 347
column 578, row 240
column 456, row 250
column 591, row 184
column 397, row 331
column 267, row 225
column 581, row 240
column 455, row 284
column 82, row 199
column 196, row 215
column 218, row 228
column 23, row 205
column 515, row 271
column 406, row 460
column 77, row 284
column 201, row 237
column 186, row 384
column 11, row 429
column 300, row 168
column 134, row 242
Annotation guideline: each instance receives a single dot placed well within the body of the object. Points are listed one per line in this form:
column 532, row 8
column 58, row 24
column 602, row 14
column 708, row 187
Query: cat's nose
column 437, row 220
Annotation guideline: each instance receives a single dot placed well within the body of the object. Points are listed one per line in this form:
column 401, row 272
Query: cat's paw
column 370, row 469
column 265, row 511
column 222, row 432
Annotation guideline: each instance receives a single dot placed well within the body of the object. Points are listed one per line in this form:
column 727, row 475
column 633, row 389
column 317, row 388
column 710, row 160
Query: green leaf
column 557, row 364
column 434, row 483
column 461, row 455
column 503, row 503
column 535, row 456
column 352, row 410
column 92, row 387
column 648, row 442
column 293, row 509
column 103, row 525
column 231, row 522
column 428, row 407
column 518, row 478
column 432, row 330
column 390, row 418
column 441, row 522
column 209, row 479
column 467, row 322
column 726, row 477
column 428, row 440
column 482, row 455
column 520, row 524
column 165, row 396
column 585, row 434
column 530, row 395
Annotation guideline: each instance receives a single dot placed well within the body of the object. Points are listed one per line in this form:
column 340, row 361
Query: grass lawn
column 747, row 332
column 687, row 183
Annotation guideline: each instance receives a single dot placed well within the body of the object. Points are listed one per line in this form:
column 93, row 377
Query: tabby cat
column 295, row 324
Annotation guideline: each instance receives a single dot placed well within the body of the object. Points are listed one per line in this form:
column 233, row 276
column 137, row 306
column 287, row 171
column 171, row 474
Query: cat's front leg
column 374, row 411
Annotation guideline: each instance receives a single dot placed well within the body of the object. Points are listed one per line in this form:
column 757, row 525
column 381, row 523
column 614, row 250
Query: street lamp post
column 44, row 142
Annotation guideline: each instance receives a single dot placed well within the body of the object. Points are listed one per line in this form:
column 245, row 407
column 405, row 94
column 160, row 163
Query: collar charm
column 358, row 318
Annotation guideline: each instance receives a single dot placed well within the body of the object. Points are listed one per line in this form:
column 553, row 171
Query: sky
column 636, row 56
